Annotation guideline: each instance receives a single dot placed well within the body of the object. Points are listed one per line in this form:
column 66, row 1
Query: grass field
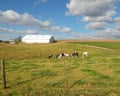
column 110, row 45
column 30, row 73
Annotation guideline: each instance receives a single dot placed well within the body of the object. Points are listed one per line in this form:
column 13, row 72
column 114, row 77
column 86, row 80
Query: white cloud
column 108, row 33
column 63, row 30
column 91, row 8
column 118, row 28
column 18, row 31
column 96, row 25
column 66, row 30
column 98, row 14
column 14, row 18
column 98, row 19
column 88, row 19
column 104, row 19
column 117, row 19
column 55, row 28
column 39, row 2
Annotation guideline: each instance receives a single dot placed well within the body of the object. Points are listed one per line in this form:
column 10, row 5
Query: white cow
column 85, row 54
column 66, row 55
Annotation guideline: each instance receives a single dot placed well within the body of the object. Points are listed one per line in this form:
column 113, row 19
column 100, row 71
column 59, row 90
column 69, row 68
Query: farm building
column 12, row 41
column 38, row 39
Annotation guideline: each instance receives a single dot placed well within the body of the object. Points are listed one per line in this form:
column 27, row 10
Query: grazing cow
column 50, row 56
column 66, row 55
column 58, row 56
column 85, row 54
column 62, row 55
column 75, row 54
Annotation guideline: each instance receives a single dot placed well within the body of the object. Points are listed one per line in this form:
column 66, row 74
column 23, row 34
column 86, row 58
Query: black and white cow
column 50, row 56
column 62, row 55
column 75, row 54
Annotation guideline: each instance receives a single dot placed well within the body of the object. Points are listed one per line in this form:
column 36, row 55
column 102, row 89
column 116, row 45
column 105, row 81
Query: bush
column 1, row 41
column 6, row 41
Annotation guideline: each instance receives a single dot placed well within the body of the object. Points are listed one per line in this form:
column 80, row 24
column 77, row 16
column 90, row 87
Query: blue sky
column 64, row 19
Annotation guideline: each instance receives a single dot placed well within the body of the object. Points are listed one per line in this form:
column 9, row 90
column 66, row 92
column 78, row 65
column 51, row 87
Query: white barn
column 38, row 39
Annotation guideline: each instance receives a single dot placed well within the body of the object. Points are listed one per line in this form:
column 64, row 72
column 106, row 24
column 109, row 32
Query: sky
column 64, row 19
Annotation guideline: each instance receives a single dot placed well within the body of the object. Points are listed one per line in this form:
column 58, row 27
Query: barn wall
column 52, row 39
column 38, row 39
column 35, row 41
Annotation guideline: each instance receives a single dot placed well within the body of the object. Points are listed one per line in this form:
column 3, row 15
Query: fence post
column 3, row 73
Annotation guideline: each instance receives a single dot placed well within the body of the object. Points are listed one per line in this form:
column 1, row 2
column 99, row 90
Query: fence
column 3, row 73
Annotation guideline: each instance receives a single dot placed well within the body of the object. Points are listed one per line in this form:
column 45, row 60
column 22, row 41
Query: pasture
column 30, row 73
column 109, row 45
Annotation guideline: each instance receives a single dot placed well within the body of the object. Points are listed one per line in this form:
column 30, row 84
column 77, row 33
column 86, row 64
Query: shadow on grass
column 38, row 75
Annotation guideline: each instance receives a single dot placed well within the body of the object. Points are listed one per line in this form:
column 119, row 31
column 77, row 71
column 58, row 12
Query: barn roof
column 40, row 37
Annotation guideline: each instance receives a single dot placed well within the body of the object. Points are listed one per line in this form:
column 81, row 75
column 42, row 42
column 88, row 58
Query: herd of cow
column 64, row 55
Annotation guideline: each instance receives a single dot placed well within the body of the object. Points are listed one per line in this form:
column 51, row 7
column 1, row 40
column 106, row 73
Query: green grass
column 110, row 45
column 31, row 74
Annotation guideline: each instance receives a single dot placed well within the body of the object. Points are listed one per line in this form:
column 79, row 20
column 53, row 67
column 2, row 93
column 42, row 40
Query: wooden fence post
column 3, row 73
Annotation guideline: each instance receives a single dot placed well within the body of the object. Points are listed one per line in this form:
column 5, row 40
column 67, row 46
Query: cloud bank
column 18, row 31
column 91, row 8
column 13, row 18
column 99, row 16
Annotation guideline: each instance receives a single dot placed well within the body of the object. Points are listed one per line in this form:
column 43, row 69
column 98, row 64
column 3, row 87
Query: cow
column 66, row 55
column 62, row 55
column 75, row 54
column 85, row 54
column 50, row 56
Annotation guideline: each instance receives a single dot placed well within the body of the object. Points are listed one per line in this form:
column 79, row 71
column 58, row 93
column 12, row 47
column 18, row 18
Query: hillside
column 30, row 73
